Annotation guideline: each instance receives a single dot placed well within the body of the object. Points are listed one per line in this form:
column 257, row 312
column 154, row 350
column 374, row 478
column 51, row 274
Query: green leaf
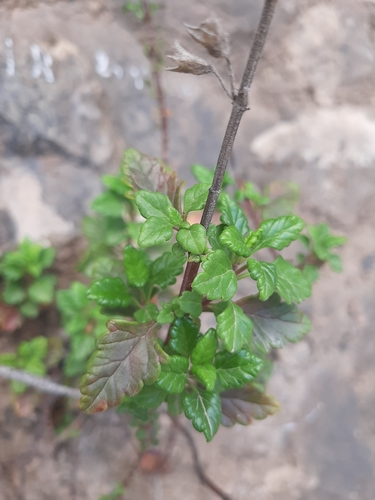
column 136, row 263
column 193, row 240
column 264, row 273
column 47, row 257
column 42, row 290
column 150, row 396
column 204, row 410
column 335, row 263
column 232, row 239
column 73, row 299
column 213, row 234
column 127, row 357
column 291, row 284
column 8, row 359
column 278, row 233
column 29, row 309
column 154, row 231
column 152, row 204
column 218, row 280
column 250, row 192
column 274, row 322
column 195, row 197
column 323, row 241
column 14, row 292
column 236, row 369
column 184, row 336
column 205, row 374
column 110, row 292
column 233, row 327
column 191, row 303
column 151, row 175
column 173, row 376
column 232, row 214
column 110, row 204
column 165, row 269
column 166, row 315
column 205, row 175
column 116, row 184
column 36, row 348
column 128, row 405
column 283, row 197
column 175, row 404
column 148, row 313
column 311, row 273
column 205, row 349
column 243, row 405
column 175, row 218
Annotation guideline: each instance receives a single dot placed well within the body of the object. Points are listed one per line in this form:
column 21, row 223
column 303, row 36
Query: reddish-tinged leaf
column 242, row 405
column 10, row 318
column 127, row 357
column 150, row 174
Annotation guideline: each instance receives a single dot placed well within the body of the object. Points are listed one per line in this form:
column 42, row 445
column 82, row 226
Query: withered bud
column 211, row 35
column 188, row 63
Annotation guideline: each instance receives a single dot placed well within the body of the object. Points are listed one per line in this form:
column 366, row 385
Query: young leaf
column 172, row 378
column 175, row 218
column 205, row 374
column 191, row 303
column 148, row 313
column 195, row 197
column 250, row 192
column 274, row 322
column 166, row 315
column 42, row 290
column 205, row 349
column 213, row 235
column 233, row 327
column 193, row 240
column 242, row 405
column 154, row 231
column 165, row 269
column 311, row 273
column 232, row 239
column 14, row 292
column 152, row 204
column 204, row 409
column 127, row 357
column 136, row 263
column 278, row 233
column 264, row 273
column 235, row 369
column 110, row 204
column 184, row 336
column 291, row 284
column 323, row 241
column 110, row 292
column 218, row 280
column 232, row 214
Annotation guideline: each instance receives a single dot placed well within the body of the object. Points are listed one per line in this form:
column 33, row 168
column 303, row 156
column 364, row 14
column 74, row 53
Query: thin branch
column 239, row 107
column 231, row 97
column 231, row 76
column 197, row 464
column 41, row 383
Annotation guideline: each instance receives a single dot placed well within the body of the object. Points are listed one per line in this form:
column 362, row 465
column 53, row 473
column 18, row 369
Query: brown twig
column 197, row 464
column 240, row 105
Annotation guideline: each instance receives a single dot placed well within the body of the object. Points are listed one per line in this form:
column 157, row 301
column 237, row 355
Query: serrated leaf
column 243, row 405
column 165, row 269
column 166, row 315
column 172, row 378
column 14, row 292
column 154, row 231
column 311, row 273
column 109, row 204
column 213, row 235
column 203, row 408
column 110, row 292
column 147, row 313
column 232, row 239
column 264, row 273
column 152, row 204
column 291, row 284
column 193, row 240
column 232, row 214
column 136, row 263
column 175, row 404
column 218, row 280
column 150, row 174
column 233, row 327
column 205, row 374
column 127, row 357
column 195, row 197
column 205, row 349
column 191, row 303
column 184, row 336
column 43, row 289
column 278, row 233
column 274, row 322
column 236, row 369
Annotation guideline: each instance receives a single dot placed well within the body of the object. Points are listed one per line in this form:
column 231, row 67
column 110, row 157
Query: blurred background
column 76, row 89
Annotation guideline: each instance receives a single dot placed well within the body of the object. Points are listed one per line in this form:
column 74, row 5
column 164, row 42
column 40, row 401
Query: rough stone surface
column 312, row 121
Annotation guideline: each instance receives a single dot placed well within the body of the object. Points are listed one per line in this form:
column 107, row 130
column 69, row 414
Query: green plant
column 24, row 283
